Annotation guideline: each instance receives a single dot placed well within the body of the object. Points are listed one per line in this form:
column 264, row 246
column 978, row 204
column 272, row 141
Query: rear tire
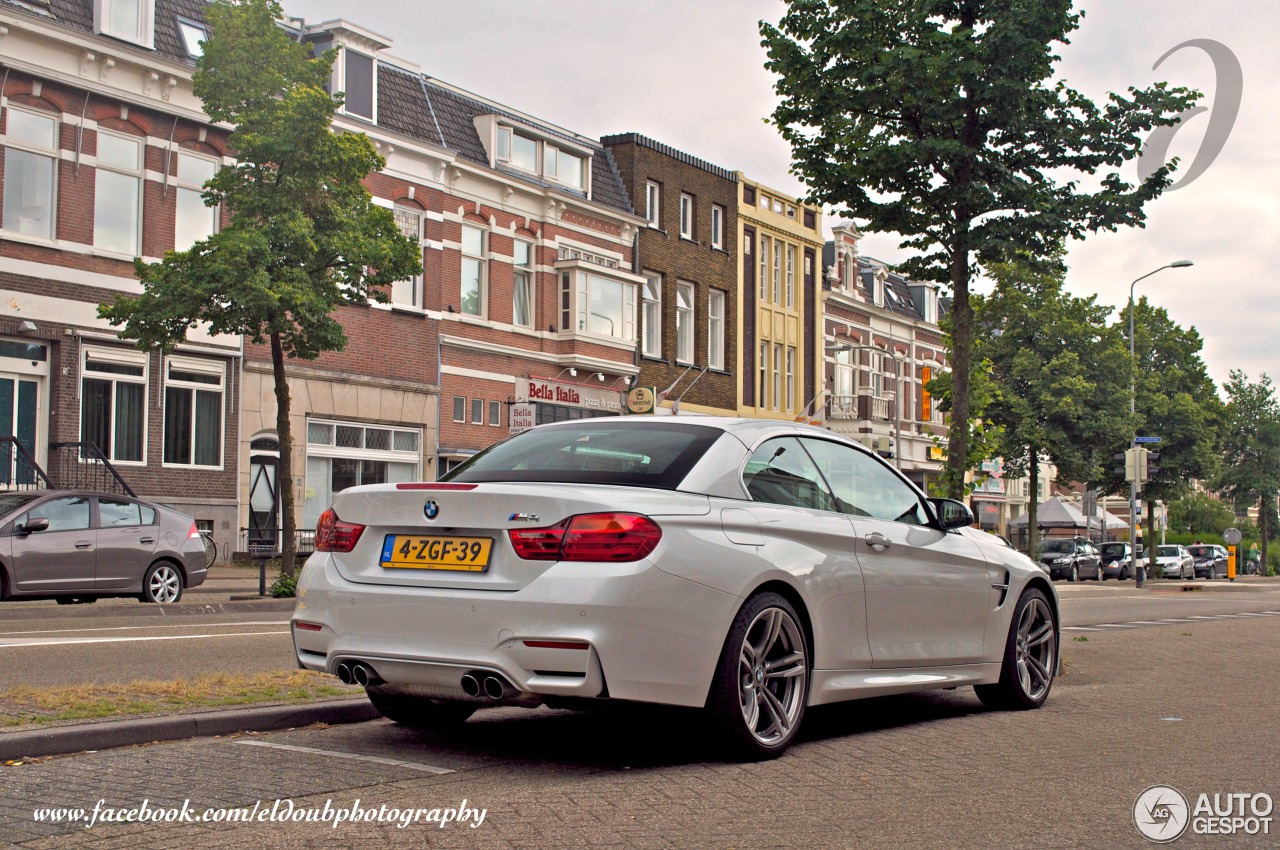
column 1030, row 657
column 162, row 583
column 761, row 684
column 420, row 712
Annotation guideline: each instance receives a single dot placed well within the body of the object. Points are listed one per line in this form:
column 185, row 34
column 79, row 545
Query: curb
column 241, row 606
column 60, row 740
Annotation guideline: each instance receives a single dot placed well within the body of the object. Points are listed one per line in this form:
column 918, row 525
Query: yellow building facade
column 780, row 320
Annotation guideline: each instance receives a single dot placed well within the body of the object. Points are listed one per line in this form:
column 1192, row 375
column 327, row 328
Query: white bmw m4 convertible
column 749, row 567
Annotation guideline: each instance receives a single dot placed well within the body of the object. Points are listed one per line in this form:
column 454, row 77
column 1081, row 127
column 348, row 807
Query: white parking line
column 411, row 765
column 20, row 642
column 136, row 628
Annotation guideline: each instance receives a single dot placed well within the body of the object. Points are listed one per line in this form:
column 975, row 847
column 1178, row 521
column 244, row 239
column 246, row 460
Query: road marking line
column 135, row 628
column 21, row 642
column 411, row 765
column 1080, row 629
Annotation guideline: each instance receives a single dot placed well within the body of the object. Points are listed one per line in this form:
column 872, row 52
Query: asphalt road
column 66, row 649
column 1190, row 704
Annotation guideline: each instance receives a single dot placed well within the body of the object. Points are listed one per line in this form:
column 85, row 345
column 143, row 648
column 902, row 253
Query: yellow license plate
column 400, row 551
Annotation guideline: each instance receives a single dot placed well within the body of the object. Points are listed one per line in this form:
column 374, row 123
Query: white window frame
column 791, row 377
column 123, row 357
column 765, row 243
column 108, row 203
column 187, row 188
column 717, row 226
column 653, row 203
column 791, row 275
column 686, row 316
column 406, row 217
column 459, row 403
column 777, row 375
column 651, row 318
column 331, row 451
column 204, row 367
column 686, row 216
column 581, row 282
column 348, row 52
column 52, row 154
column 187, row 29
column 481, row 261
column 523, row 273
column 495, row 413
column 715, row 328
column 778, row 245
column 763, row 401
column 546, row 159
column 105, row 21
column 477, row 411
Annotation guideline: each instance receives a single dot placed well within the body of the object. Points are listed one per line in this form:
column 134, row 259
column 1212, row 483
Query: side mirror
column 951, row 514
column 34, row 524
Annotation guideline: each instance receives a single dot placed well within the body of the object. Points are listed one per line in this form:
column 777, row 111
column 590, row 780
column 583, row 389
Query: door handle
column 878, row 541
column 83, row 544
column 147, row 540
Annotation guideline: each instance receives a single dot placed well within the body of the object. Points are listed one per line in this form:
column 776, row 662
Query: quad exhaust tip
column 478, row 683
column 470, row 685
column 357, row 673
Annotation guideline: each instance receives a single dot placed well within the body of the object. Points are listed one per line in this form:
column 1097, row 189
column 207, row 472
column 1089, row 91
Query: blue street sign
column 1146, row 439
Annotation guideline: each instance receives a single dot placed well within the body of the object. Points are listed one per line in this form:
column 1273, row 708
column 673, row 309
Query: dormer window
column 358, row 84
column 193, row 37
column 545, row 158
column 127, row 20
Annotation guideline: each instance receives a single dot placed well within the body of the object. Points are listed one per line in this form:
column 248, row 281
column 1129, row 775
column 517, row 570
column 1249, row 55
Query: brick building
column 781, row 315
column 687, row 253
column 104, row 150
column 882, row 345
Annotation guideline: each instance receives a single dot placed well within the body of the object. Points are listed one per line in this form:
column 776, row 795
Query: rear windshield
column 1113, row 548
column 1199, row 551
column 643, row 453
column 1057, row 547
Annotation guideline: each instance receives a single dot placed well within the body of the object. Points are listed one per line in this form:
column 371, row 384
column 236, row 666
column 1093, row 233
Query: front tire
column 162, row 584
column 761, row 683
column 420, row 712
column 1075, row 573
column 1030, row 657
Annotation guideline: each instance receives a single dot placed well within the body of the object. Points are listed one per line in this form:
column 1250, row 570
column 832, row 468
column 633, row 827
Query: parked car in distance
column 1173, row 561
column 1117, row 560
column 1072, row 558
column 77, row 546
column 723, row 564
column 1208, row 560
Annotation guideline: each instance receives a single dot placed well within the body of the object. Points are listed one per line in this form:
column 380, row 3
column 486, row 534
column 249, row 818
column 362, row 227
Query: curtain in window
column 177, row 425
column 208, row 441
column 129, row 423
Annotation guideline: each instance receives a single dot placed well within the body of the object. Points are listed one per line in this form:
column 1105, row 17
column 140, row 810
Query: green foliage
column 285, row 586
column 942, row 122
column 1251, row 450
column 303, row 236
column 1200, row 515
column 1174, row 399
column 984, row 436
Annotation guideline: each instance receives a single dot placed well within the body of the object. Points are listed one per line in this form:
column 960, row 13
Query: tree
column 1057, row 371
column 1251, row 450
column 303, row 236
column 1200, row 513
column 1175, row 400
column 940, row 120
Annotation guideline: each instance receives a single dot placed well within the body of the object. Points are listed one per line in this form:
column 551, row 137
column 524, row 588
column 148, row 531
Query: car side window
column 117, row 513
column 864, row 486
column 780, row 472
column 148, row 515
column 70, row 513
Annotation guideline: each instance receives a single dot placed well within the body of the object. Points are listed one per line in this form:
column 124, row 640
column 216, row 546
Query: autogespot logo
column 1161, row 813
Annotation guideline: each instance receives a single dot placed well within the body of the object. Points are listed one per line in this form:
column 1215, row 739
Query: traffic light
column 1133, row 464
column 1152, row 465
column 1120, row 460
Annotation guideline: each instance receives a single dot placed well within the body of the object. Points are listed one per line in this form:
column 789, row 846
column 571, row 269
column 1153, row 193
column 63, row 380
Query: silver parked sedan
column 751, row 567
column 77, row 546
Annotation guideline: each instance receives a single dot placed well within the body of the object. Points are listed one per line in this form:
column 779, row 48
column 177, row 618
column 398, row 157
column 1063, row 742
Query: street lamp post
column 897, row 393
column 1139, row 568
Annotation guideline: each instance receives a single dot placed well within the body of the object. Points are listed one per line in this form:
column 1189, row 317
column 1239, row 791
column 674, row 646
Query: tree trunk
column 1149, row 537
column 284, row 472
column 961, row 362
column 1264, row 528
column 1033, row 489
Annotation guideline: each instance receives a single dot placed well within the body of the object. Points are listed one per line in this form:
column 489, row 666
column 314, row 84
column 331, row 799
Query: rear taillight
column 194, row 533
column 589, row 537
column 334, row 535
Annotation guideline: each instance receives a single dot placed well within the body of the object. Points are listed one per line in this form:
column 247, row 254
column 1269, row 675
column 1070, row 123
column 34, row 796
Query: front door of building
column 23, row 370
column 264, row 502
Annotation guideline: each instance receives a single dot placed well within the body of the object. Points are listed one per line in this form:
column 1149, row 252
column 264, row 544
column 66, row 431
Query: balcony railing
column 860, row 407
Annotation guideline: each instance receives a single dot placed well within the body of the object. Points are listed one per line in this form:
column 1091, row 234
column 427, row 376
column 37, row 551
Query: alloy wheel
column 1037, row 649
column 165, row 584
column 772, row 670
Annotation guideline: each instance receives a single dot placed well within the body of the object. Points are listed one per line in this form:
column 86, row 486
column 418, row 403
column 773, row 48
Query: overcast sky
column 691, row 74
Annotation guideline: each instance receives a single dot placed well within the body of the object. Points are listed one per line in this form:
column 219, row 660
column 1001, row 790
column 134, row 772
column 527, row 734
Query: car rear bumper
column 628, row 631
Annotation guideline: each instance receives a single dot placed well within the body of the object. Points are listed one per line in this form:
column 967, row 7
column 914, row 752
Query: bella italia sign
column 569, row 395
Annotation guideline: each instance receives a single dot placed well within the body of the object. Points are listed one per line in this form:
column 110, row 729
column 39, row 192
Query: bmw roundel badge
column 431, row 509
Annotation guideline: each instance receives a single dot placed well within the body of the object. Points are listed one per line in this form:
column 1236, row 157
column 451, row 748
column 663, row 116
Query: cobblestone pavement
column 1184, row 704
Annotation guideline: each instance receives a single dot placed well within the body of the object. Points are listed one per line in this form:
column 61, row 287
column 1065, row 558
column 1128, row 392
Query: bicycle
column 210, row 548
